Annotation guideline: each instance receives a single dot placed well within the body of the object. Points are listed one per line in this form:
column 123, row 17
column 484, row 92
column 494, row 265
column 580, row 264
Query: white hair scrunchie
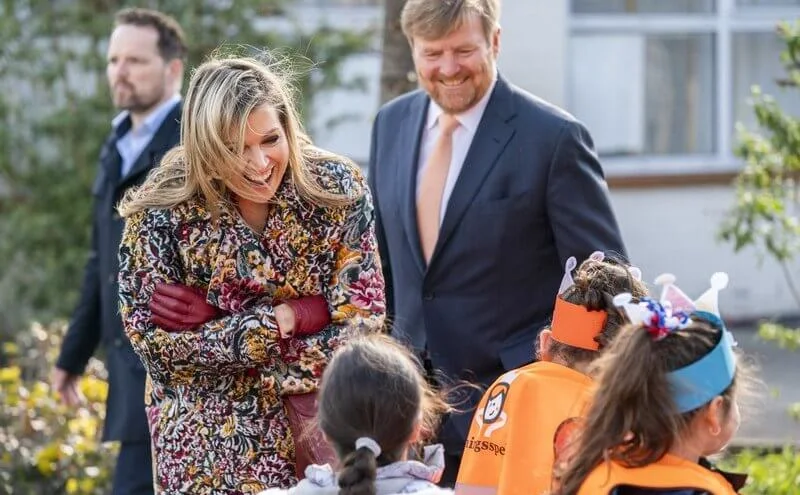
column 367, row 442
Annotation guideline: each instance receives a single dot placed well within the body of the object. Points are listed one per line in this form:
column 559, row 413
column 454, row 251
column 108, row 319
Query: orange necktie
column 431, row 186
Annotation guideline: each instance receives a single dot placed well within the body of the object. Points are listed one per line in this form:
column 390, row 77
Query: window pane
column 645, row 94
column 643, row 6
column 756, row 60
column 767, row 3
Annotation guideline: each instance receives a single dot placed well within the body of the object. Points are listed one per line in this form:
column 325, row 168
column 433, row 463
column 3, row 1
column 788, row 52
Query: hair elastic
column 368, row 443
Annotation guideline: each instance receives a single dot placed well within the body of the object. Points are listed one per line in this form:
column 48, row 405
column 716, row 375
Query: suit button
column 112, row 279
column 118, row 342
column 116, row 217
column 428, row 296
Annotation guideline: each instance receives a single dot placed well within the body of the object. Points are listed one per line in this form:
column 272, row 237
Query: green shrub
column 786, row 338
column 770, row 473
column 45, row 447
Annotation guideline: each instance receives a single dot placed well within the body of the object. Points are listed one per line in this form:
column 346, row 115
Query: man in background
column 145, row 64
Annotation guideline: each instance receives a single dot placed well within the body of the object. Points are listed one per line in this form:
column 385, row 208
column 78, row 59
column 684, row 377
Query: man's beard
column 135, row 103
column 456, row 105
column 138, row 106
column 479, row 83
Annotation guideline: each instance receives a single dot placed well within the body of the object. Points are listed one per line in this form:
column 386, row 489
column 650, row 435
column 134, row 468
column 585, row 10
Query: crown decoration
column 672, row 296
column 656, row 317
column 573, row 324
column 671, row 312
column 567, row 281
column 698, row 383
column 709, row 300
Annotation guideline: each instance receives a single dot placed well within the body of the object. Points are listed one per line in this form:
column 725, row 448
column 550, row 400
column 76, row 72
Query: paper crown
column 573, row 324
column 697, row 383
column 567, row 281
column 674, row 301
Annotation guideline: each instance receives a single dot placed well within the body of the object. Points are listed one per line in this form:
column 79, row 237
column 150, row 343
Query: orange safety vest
column 669, row 473
column 510, row 446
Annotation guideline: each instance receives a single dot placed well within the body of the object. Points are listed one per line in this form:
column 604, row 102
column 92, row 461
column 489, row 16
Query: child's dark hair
column 373, row 387
column 595, row 285
column 633, row 419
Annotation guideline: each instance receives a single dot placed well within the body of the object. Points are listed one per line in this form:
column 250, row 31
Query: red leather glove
column 177, row 307
column 311, row 314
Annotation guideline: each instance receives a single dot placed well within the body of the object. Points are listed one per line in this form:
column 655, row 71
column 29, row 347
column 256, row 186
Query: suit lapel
column 163, row 141
column 410, row 137
column 111, row 162
column 493, row 134
column 110, row 158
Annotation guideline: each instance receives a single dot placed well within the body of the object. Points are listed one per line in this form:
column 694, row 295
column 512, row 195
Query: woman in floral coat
column 249, row 212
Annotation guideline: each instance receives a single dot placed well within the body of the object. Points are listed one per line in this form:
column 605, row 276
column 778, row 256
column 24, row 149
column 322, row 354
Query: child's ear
column 545, row 338
column 714, row 416
column 416, row 433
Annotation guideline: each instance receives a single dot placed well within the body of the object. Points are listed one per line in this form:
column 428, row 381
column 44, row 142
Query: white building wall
column 533, row 46
column 675, row 230
column 342, row 120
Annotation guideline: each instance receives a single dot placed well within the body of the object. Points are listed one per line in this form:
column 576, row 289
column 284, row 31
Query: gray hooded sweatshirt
column 394, row 479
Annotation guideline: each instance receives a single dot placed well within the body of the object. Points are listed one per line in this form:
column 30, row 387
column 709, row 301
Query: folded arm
column 355, row 294
column 149, row 256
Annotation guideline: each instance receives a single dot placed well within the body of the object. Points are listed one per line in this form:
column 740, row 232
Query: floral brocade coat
column 214, row 400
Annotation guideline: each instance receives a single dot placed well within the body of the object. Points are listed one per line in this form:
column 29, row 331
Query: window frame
column 728, row 20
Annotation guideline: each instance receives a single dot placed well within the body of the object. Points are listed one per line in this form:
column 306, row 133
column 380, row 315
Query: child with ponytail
column 526, row 416
column 666, row 399
column 374, row 405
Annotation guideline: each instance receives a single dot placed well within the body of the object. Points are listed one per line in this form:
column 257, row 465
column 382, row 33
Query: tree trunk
column 397, row 67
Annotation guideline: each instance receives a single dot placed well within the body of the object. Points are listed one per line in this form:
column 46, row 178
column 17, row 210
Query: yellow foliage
column 72, row 486
column 83, row 427
column 10, row 349
column 46, row 447
column 10, row 376
column 93, row 389
column 47, row 458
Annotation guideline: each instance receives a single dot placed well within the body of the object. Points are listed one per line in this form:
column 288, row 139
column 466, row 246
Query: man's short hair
column 171, row 40
column 433, row 19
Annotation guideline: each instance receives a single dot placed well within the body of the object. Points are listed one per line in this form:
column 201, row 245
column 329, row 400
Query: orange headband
column 576, row 326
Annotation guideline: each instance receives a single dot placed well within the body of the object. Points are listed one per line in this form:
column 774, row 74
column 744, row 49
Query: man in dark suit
column 482, row 191
column 145, row 69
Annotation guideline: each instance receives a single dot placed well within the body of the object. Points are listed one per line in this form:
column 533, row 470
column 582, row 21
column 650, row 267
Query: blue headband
column 698, row 383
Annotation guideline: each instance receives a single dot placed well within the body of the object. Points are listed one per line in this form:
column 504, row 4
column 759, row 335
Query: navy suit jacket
column 531, row 194
column 96, row 319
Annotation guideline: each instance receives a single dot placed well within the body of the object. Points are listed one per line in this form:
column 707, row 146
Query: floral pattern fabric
column 214, row 395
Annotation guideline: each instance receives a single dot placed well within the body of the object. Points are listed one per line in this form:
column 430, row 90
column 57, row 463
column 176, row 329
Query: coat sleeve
column 356, row 289
column 83, row 334
column 148, row 256
column 578, row 202
column 355, row 294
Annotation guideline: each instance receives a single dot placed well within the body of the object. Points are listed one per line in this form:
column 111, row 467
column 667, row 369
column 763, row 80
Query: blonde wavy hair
column 221, row 95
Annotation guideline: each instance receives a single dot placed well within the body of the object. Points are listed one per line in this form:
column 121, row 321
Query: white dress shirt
column 131, row 145
column 462, row 139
